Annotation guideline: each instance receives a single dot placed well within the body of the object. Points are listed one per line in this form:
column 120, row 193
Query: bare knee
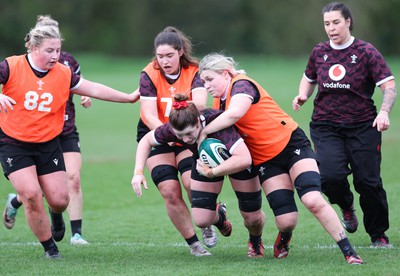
column 314, row 202
column 254, row 219
column 32, row 199
column 58, row 203
column 286, row 222
column 172, row 195
column 203, row 218
column 74, row 182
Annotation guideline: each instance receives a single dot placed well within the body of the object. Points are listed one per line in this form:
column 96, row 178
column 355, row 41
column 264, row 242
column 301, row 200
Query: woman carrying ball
column 280, row 150
column 184, row 126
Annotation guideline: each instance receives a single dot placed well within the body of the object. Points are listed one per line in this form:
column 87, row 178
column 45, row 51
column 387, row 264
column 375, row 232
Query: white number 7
column 168, row 101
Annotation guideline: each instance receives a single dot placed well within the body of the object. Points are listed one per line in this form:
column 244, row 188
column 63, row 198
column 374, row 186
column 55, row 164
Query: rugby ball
column 212, row 152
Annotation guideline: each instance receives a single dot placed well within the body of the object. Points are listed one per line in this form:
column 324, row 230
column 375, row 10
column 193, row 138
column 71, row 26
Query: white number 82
column 42, row 103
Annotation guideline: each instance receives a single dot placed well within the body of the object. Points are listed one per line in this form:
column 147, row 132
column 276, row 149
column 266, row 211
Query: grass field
column 132, row 236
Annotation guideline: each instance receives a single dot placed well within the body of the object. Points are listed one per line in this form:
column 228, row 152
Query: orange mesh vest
column 38, row 114
column 265, row 128
column 166, row 91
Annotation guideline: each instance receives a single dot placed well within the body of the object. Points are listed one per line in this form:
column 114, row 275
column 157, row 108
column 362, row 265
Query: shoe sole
column 57, row 257
column 282, row 255
column 201, row 255
column 355, row 261
column 210, row 245
column 226, row 231
column 255, row 256
column 79, row 243
column 351, row 231
column 9, row 224
column 387, row 246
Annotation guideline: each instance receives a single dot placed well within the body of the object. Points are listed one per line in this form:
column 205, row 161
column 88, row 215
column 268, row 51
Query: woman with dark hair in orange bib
column 173, row 70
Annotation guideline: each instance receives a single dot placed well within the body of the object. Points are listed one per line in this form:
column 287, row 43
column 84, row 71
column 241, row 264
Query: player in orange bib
column 281, row 151
column 70, row 145
column 173, row 70
column 35, row 90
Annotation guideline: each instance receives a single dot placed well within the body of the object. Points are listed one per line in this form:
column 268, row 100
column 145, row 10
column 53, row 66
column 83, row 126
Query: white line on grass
column 305, row 246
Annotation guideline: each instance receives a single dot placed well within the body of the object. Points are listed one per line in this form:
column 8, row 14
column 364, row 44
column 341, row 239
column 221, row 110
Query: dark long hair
column 183, row 113
column 344, row 10
column 178, row 40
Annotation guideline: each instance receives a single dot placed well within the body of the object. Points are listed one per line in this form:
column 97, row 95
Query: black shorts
column 16, row 155
column 142, row 130
column 70, row 142
column 246, row 174
column 165, row 148
column 298, row 148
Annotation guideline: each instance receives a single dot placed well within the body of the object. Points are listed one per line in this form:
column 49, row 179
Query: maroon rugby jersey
column 230, row 137
column 346, row 78
column 69, row 123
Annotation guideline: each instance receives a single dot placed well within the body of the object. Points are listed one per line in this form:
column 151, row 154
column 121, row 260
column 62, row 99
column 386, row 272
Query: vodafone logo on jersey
column 337, row 72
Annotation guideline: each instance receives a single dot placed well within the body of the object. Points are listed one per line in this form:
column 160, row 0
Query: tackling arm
column 238, row 107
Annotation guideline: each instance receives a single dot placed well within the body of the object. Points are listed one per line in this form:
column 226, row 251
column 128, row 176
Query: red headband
column 180, row 105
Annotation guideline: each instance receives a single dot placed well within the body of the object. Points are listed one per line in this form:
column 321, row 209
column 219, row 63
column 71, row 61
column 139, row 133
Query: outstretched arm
column 103, row 92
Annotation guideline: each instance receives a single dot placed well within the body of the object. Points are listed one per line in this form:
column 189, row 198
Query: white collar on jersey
column 174, row 77
column 344, row 46
column 223, row 98
column 34, row 66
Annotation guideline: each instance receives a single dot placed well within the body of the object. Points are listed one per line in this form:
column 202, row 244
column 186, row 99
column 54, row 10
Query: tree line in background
column 128, row 27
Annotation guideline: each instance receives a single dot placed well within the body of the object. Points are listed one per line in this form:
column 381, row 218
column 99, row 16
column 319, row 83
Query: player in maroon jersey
column 346, row 128
column 184, row 126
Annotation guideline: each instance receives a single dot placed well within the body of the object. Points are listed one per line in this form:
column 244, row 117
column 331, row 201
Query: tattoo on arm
column 342, row 235
column 389, row 97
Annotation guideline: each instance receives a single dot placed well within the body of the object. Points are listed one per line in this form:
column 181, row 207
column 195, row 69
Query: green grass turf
column 133, row 236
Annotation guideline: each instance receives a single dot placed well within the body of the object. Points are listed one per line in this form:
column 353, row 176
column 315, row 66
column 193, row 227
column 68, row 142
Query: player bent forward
column 184, row 126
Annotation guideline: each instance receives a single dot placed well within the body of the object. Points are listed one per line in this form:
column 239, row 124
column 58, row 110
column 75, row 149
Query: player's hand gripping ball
column 212, row 152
